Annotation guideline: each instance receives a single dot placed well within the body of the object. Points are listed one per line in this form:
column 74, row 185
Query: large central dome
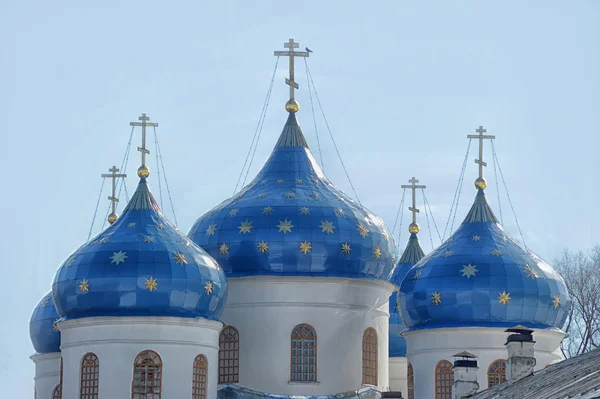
column 291, row 220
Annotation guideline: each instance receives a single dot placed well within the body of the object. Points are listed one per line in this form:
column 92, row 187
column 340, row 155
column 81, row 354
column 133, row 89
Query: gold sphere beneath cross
column 292, row 106
column 413, row 228
column 480, row 183
column 112, row 217
column 143, row 171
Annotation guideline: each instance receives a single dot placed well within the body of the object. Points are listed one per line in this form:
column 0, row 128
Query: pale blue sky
column 402, row 85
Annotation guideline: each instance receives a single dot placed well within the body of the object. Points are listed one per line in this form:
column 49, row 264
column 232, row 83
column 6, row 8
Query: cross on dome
column 143, row 170
column 113, row 198
column 292, row 104
column 414, row 227
column 480, row 183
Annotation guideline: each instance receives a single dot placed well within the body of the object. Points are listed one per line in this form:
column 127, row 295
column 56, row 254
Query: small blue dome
column 482, row 277
column 411, row 255
column 292, row 221
column 44, row 337
column 140, row 266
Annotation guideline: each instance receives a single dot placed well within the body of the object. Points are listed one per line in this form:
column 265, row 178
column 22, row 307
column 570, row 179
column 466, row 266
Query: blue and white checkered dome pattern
column 291, row 220
column 482, row 277
column 44, row 336
column 142, row 265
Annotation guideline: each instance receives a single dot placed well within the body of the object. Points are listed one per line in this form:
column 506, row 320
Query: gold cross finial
column 292, row 104
column 414, row 227
column 480, row 183
column 113, row 198
column 143, row 170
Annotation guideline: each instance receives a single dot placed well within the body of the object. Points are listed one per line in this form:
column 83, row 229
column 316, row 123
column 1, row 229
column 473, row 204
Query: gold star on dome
column 556, row 301
column 496, row 252
column 299, row 181
column 131, row 225
column 224, row 249
column 339, row 212
column 305, row 247
column 179, row 259
column 469, row 270
column 160, row 226
column 362, row 230
column 304, row 210
column 417, row 274
column 118, row 257
column 504, row 297
column 148, row 239
column 208, row 287
column 285, row 226
column 289, row 195
column 261, row 196
column 233, row 212
column 280, row 181
column 267, row 210
column 55, row 325
column 448, row 254
column 211, row 230
column 377, row 253
column 436, row 298
column 315, row 196
column 245, row 227
column 316, row 181
column 476, row 238
column 84, row 286
column 44, row 302
column 70, row 261
column 530, row 271
column 263, row 247
column 327, row 227
column 264, row 182
column 151, row 284
column 103, row 240
column 504, row 238
column 346, row 249
column 337, row 197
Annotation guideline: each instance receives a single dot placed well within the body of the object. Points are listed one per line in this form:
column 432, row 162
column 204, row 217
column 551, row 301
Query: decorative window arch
column 57, row 392
column 303, row 359
column 229, row 355
column 369, row 357
column 147, row 376
column 410, row 379
column 444, row 376
column 200, row 373
column 90, row 369
column 496, row 372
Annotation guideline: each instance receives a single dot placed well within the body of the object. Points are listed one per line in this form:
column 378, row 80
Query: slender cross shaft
column 144, row 122
column 480, row 136
column 113, row 198
column 413, row 186
column 291, row 53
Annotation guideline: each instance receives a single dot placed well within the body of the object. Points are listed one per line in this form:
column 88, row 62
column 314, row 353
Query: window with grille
column 199, row 382
column 303, row 354
column 444, row 376
column 229, row 355
column 90, row 368
column 147, row 376
column 57, row 392
column 497, row 372
column 410, row 377
column 369, row 357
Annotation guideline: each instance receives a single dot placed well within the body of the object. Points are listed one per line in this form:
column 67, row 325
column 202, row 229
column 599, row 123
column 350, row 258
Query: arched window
column 57, row 392
column 90, row 368
column 444, row 376
column 497, row 372
column 147, row 376
column 199, row 382
column 229, row 355
column 410, row 379
column 369, row 357
column 304, row 354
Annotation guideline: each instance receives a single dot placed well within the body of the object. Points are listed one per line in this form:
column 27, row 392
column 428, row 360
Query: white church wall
column 47, row 374
column 117, row 341
column 266, row 309
column 427, row 347
column 398, row 375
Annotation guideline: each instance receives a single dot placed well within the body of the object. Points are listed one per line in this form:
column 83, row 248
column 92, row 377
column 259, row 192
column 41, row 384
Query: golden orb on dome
column 112, row 217
column 292, row 106
column 143, row 171
column 480, row 183
column 413, row 228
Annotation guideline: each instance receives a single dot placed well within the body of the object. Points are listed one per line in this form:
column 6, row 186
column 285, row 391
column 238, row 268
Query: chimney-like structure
column 521, row 360
column 465, row 375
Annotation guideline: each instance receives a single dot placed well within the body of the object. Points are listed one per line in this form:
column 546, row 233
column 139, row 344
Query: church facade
column 290, row 287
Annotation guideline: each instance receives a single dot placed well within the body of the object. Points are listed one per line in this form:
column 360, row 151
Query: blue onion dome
column 291, row 220
column 140, row 266
column 482, row 277
column 42, row 327
column 411, row 255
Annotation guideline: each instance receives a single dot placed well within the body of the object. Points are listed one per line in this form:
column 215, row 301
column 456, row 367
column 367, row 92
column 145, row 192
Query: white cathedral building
column 288, row 288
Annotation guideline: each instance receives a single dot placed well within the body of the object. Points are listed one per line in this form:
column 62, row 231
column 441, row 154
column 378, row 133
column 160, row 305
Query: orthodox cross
column 113, row 198
column 480, row 136
column 144, row 122
column 291, row 53
column 413, row 185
